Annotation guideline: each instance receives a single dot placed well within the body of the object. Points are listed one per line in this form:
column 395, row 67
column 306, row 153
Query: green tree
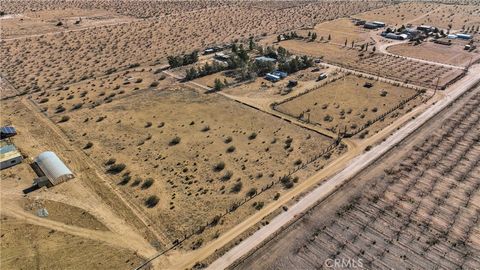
column 218, row 85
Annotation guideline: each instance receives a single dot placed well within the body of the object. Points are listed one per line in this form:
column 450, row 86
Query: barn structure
column 9, row 155
column 49, row 165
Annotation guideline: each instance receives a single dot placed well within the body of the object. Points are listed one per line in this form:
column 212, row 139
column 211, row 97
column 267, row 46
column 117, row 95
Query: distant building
column 451, row 36
column 425, row 28
column 464, row 36
column 395, row 36
column 7, row 132
column 50, row 165
column 280, row 74
column 378, row 24
column 221, row 56
column 360, row 22
column 9, row 155
column 370, row 25
column 265, row 59
column 271, row 77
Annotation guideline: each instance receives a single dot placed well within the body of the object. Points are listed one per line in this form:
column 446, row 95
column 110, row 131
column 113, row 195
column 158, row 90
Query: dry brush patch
column 199, row 154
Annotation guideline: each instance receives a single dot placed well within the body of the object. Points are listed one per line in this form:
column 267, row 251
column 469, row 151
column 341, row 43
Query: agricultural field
column 416, row 208
column 198, row 154
column 332, row 107
column 452, row 55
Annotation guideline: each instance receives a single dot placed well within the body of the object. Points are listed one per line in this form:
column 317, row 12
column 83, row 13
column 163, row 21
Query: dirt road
column 354, row 167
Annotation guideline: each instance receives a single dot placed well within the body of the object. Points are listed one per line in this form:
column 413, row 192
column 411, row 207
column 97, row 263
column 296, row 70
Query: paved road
column 354, row 167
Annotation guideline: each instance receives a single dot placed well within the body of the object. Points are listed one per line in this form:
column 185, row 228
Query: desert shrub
column 277, row 196
column 136, row 182
column 258, row 205
column 88, row 145
column 148, row 183
column 162, row 77
column 205, row 128
column 286, row 182
column 252, row 136
column 110, row 162
column 383, row 93
column 251, row 192
column 174, row 141
column 125, row 179
column 43, row 100
column 228, row 140
column 237, row 187
column 154, row 84
column 227, row 176
column 368, row 148
column 77, row 106
column 231, row 149
column 116, row 168
column 148, row 124
column 152, row 201
column 297, row 162
column 328, row 118
column 64, row 119
column 219, row 166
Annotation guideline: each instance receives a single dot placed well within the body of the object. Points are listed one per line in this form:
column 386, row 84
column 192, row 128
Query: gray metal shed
column 53, row 168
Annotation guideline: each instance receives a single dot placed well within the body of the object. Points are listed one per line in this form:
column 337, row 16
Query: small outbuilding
column 53, row 168
column 272, row 78
column 464, row 36
column 378, row 24
column 264, row 59
column 7, row 132
column 451, row 36
column 370, row 25
column 9, row 155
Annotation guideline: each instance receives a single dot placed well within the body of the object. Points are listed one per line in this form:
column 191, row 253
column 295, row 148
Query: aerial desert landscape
column 218, row 134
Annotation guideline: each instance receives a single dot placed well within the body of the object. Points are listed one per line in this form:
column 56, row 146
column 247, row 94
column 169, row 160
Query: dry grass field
column 417, row 208
column 452, row 55
column 333, row 108
column 190, row 150
column 396, row 15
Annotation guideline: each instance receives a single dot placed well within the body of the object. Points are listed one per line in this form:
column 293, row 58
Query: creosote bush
column 174, row 141
column 152, row 201
column 116, row 168
column 219, row 166
column 148, row 183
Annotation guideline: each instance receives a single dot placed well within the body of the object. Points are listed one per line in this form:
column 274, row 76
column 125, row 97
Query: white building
column 53, row 168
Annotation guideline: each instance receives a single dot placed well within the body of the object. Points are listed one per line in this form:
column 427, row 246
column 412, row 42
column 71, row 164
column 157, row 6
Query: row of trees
column 182, row 60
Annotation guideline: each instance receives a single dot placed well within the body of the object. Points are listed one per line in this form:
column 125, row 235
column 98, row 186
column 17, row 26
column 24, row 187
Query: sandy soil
column 453, row 55
column 43, row 22
column 28, row 246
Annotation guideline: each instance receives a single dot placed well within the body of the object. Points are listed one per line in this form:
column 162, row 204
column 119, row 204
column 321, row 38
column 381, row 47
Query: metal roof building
column 53, row 168
column 7, row 131
column 9, row 155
